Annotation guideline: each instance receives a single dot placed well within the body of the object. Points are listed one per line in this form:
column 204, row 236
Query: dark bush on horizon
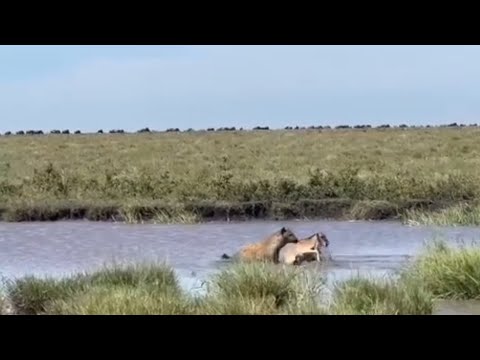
column 34, row 132
column 220, row 129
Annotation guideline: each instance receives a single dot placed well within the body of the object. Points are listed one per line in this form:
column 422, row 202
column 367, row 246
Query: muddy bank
column 334, row 209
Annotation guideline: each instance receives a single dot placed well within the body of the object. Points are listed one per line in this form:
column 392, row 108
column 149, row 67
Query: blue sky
column 130, row 87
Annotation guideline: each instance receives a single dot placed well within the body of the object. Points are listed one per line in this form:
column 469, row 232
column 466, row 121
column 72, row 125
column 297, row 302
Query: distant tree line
column 264, row 128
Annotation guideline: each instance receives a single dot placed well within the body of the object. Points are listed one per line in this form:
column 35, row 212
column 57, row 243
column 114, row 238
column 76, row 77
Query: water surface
column 62, row 248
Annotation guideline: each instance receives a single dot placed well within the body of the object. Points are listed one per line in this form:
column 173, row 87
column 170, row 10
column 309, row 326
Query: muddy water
column 61, row 248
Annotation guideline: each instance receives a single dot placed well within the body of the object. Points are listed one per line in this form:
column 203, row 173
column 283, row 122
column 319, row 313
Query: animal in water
column 305, row 250
column 266, row 250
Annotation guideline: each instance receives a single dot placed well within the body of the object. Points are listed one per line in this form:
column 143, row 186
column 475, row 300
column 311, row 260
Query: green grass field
column 440, row 272
column 192, row 176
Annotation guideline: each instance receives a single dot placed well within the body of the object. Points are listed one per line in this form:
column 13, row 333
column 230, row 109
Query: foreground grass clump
column 362, row 296
column 461, row 214
column 262, row 288
column 439, row 272
column 447, row 272
column 31, row 295
column 224, row 175
column 122, row 300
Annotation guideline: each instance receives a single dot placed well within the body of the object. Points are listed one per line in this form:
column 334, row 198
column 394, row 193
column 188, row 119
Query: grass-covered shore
column 195, row 176
column 440, row 272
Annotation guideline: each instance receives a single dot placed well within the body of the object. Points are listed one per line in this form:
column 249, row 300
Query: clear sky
column 131, row 87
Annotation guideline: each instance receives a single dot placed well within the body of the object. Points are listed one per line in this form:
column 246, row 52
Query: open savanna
column 417, row 174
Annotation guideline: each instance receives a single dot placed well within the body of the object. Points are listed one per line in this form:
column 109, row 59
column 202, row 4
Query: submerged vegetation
column 193, row 176
column 441, row 272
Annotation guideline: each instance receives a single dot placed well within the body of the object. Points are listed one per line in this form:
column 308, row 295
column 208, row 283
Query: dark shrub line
column 264, row 128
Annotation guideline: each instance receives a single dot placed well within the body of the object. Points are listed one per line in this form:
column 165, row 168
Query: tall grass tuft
column 236, row 305
column 448, row 272
column 122, row 300
column 461, row 214
column 273, row 287
column 158, row 277
column 135, row 213
column 363, row 296
column 31, row 295
column 176, row 217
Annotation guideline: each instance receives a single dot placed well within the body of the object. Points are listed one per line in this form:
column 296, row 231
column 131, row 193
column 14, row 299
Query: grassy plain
column 195, row 176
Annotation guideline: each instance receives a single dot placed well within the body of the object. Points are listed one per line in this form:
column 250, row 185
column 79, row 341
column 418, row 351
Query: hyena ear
column 283, row 230
column 325, row 239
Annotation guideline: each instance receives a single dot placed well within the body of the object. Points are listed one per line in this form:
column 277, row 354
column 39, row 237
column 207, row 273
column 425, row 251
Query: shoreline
column 205, row 211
